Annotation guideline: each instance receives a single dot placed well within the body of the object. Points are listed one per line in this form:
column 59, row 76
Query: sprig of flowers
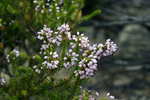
column 88, row 95
column 86, row 62
column 88, row 65
column 41, row 5
column 77, row 53
column 16, row 55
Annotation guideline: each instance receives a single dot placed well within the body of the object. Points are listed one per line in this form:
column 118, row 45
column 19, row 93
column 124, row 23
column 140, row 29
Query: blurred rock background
column 126, row 75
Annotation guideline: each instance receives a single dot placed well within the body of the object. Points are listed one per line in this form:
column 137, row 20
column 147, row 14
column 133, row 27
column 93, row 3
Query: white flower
column 34, row 1
column 108, row 94
column 16, row 52
column 7, row 58
column 34, row 67
column 112, row 97
column 97, row 93
column 2, row 81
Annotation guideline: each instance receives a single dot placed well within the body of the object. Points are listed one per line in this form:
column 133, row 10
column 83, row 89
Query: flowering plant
column 21, row 19
column 87, row 95
column 77, row 54
column 59, row 49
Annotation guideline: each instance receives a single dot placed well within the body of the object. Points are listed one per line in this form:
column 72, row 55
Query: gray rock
column 6, row 50
column 133, row 33
column 89, row 33
column 95, row 36
column 134, row 40
column 122, row 80
column 100, row 36
column 5, row 76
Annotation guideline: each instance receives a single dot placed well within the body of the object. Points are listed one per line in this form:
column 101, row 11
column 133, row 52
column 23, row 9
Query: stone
column 100, row 36
column 5, row 76
column 6, row 50
column 133, row 33
column 134, row 41
column 122, row 80
column 89, row 33
column 95, row 35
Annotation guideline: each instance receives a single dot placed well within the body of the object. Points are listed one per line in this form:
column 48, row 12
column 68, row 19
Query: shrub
column 59, row 48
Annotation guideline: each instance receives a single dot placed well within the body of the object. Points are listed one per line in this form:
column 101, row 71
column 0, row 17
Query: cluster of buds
column 64, row 28
column 87, row 65
column 83, row 41
column 2, row 81
column 91, row 56
column 16, row 53
column 85, row 94
column 51, row 39
column 41, row 5
column 53, row 63
column 87, row 61
column 70, row 60
column 50, row 62
column 11, row 22
column 108, row 96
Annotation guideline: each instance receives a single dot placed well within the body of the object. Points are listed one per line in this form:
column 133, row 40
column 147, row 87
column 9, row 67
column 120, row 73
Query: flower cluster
column 2, row 81
column 64, row 28
column 41, row 5
column 53, row 63
column 87, row 65
column 85, row 94
column 83, row 40
column 50, row 62
column 11, row 22
column 51, row 39
column 70, row 60
column 86, row 62
column 108, row 96
column 109, row 48
column 16, row 53
column 91, row 56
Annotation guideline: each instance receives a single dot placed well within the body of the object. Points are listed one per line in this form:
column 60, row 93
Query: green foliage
column 103, row 99
column 85, row 18
column 19, row 23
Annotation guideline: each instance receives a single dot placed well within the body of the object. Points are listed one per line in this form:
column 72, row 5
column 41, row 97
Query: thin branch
column 31, row 29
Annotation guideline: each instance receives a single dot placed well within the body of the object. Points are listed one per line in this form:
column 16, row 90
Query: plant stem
column 64, row 48
column 75, row 85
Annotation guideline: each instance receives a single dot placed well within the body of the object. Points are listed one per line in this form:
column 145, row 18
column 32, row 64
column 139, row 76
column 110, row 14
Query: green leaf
column 38, row 58
column 76, row 98
column 85, row 98
column 87, row 17
column 17, row 74
column 103, row 99
column 24, row 92
column 0, row 20
column 23, row 55
column 28, row 70
column 22, row 69
column 71, row 10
